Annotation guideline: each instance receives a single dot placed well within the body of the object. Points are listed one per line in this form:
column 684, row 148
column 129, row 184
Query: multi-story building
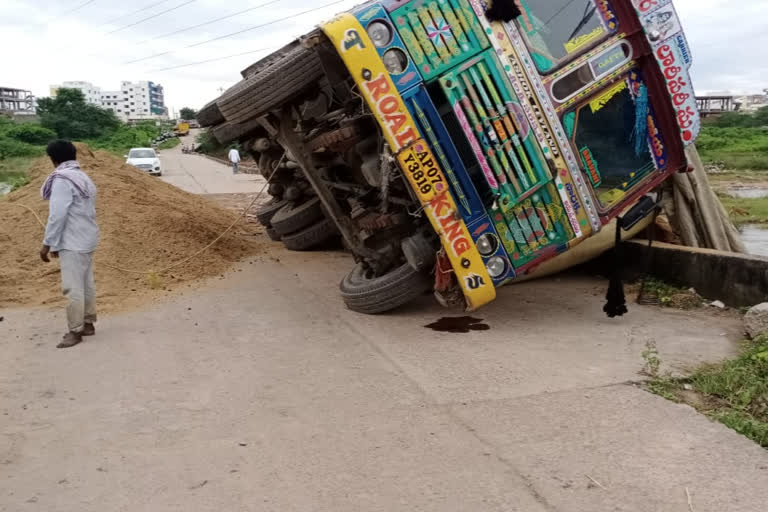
column 135, row 101
column 143, row 100
column 16, row 101
column 113, row 100
column 91, row 92
column 754, row 102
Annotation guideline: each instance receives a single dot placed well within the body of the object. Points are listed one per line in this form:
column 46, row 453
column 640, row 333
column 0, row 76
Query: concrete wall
column 735, row 279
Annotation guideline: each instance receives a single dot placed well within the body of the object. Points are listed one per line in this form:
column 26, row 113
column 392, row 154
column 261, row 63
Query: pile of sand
column 146, row 225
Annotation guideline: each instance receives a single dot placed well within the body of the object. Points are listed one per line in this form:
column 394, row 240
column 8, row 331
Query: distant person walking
column 72, row 235
column 234, row 157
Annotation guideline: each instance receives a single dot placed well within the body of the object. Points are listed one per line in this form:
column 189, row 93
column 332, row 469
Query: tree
column 761, row 116
column 71, row 117
column 188, row 113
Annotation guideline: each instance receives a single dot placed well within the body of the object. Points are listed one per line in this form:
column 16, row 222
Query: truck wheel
column 311, row 237
column 280, row 80
column 266, row 212
column 272, row 234
column 365, row 293
column 291, row 217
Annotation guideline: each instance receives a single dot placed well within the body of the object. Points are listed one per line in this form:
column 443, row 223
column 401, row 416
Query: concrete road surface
column 261, row 392
column 199, row 175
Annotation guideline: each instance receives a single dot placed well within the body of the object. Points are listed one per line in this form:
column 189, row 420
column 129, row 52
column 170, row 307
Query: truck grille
column 439, row 33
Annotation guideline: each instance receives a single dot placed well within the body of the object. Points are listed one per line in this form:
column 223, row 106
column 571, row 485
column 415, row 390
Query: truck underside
column 331, row 174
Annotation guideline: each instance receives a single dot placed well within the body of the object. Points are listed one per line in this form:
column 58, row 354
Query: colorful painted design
column 445, row 30
column 655, row 142
column 546, row 129
column 680, row 91
column 610, row 20
column 577, row 43
column 608, row 60
column 591, row 166
column 512, row 46
column 427, row 128
column 569, row 122
column 665, row 34
column 602, row 100
column 401, row 132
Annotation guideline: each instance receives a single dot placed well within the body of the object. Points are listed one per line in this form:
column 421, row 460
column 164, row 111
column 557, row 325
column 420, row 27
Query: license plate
column 421, row 169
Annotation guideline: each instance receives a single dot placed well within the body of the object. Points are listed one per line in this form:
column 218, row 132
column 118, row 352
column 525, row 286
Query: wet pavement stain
column 459, row 325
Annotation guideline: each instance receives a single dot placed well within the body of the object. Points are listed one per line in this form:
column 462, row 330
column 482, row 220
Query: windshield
column 142, row 153
column 556, row 30
column 602, row 131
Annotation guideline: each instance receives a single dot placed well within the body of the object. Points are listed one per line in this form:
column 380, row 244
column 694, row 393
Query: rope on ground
column 193, row 256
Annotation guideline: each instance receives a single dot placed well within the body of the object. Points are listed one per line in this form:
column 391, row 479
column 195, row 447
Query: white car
column 145, row 159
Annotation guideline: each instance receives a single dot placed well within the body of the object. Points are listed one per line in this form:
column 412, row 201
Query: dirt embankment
column 146, row 225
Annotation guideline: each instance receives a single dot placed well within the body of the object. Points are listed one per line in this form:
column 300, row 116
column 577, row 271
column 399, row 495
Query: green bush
column 10, row 148
column 735, row 147
column 207, row 144
column 127, row 137
column 30, row 133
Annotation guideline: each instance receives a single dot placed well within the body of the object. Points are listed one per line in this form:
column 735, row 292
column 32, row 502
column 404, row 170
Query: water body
column 755, row 237
column 748, row 192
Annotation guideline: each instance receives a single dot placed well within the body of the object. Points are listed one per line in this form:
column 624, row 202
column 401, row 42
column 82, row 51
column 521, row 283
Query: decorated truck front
column 546, row 125
column 461, row 143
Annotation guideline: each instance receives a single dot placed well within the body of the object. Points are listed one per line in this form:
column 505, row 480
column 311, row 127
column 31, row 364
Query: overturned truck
column 456, row 145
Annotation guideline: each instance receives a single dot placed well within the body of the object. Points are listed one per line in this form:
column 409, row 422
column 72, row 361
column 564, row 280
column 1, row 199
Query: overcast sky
column 45, row 43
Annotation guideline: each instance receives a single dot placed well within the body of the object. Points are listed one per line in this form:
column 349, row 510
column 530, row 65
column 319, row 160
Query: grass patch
column 13, row 171
column 671, row 296
column 734, row 147
column 746, row 211
column 169, row 144
column 734, row 393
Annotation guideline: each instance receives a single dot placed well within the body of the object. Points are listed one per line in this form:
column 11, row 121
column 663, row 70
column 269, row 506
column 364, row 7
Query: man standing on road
column 234, row 157
column 72, row 235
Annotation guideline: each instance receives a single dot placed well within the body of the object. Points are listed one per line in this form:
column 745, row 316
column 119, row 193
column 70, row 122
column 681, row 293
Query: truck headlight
column 496, row 266
column 395, row 60
column 487, row 244
column 380, row 33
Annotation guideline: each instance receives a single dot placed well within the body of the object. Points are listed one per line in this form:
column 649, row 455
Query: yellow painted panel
column 375, row 84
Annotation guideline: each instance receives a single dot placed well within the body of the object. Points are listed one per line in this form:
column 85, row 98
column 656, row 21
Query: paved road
column 199, row 175
column 260, row 392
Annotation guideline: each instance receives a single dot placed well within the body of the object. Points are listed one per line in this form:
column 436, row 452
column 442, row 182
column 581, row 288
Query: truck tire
column 375, row 295
column 291, row 217
column 309, row 238
column 210, row 115
column 272, row 234
column 279, row 81
column 266, row 212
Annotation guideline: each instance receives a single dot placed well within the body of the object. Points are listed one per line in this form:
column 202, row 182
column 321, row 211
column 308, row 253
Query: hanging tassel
column 503, row 10
column 617, row 302
column 640, row 133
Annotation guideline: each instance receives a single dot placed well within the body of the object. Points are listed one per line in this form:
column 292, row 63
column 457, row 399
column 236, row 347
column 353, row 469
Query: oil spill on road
column 459, row 325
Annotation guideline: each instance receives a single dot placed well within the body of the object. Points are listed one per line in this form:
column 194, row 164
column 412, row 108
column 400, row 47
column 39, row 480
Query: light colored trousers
column 78, row 287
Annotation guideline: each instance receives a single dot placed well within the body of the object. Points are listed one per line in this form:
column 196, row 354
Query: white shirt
column 71, row 220
column 234, row 156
